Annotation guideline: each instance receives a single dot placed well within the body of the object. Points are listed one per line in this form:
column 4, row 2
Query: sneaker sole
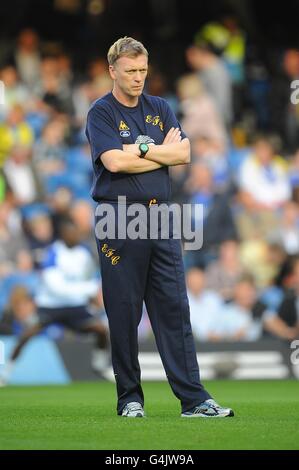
column 228, row 415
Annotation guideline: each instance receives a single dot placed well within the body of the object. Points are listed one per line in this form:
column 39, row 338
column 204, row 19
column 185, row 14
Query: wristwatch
column 144, row 148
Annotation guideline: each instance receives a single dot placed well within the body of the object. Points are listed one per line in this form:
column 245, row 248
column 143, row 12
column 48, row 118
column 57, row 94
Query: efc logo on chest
column 124, row 129
column 155, row 121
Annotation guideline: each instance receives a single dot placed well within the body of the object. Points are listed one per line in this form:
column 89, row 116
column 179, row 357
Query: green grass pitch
column 82, row 416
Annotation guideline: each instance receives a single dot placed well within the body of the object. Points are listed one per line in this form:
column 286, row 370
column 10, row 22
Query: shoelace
column 206, row 407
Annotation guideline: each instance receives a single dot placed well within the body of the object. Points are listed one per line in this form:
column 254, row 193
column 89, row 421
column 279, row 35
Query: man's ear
column 112, row 72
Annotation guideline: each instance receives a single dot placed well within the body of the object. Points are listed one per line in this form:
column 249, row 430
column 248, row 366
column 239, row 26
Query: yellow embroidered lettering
column 109, row 253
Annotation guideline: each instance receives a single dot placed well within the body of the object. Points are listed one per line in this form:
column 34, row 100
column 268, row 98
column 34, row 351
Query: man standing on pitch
column 134, row 138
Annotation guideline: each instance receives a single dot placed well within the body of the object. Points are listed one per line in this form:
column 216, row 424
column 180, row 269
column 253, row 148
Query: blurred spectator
column 228, row 41
column 55, row 87
column 284, row 114
column 258, row 89
column 60, row 203
column 49, row 151
column 97, row 67
column 86, row 93
column 23, row 274
column 11, row 241
column 156, row 85
column 223, row 275
column 39, row 232
column 27, row 57
column 264, row 187
column 262, row 260
column 205, row 305
column 14, row 131
column 69, row 272
column 15, row 91
column 83, row 216
column 65, row 68
column 200, row 117
column 263, row 177
column 21, row 176
column 208, row 152
column 216, row 213
column 214, row 76
column 241, row 320
column 68, row 282
column 20, row 312
column 287, row 235
column 179, row 174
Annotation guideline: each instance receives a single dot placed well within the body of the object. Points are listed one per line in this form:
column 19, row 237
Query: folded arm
column 173, row 152
column 118, row 161
column 170, row 154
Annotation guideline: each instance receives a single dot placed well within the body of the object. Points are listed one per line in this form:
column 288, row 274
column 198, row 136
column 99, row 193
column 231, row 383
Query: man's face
column 129, row 75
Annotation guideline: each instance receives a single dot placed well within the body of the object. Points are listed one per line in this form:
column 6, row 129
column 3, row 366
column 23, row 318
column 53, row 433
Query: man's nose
column 138, row 77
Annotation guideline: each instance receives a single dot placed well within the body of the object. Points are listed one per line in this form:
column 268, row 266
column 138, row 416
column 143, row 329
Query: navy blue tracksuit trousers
column 134, row 271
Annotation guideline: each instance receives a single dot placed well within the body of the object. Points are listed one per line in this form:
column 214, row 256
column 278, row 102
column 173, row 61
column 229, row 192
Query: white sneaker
column 208, row 409
column 133, row 410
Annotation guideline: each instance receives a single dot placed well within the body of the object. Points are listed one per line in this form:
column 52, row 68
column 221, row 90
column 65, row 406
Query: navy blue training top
column 111, row 124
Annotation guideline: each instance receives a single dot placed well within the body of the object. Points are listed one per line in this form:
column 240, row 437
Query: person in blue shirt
column 134, row 139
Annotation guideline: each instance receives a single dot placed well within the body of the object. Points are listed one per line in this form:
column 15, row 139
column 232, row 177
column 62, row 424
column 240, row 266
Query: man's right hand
column 173, row 136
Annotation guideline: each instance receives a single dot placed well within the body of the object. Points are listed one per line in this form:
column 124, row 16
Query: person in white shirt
column 68, row 285
column 206, row 306
column 264, row 181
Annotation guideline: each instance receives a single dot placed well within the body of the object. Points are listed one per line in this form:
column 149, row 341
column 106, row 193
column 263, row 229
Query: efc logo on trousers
column 110, row 253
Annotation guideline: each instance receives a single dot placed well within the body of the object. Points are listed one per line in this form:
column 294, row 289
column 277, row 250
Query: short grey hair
column 125, row 47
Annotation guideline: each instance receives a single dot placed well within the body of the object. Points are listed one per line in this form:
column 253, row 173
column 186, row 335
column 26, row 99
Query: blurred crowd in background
column 244, row 132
